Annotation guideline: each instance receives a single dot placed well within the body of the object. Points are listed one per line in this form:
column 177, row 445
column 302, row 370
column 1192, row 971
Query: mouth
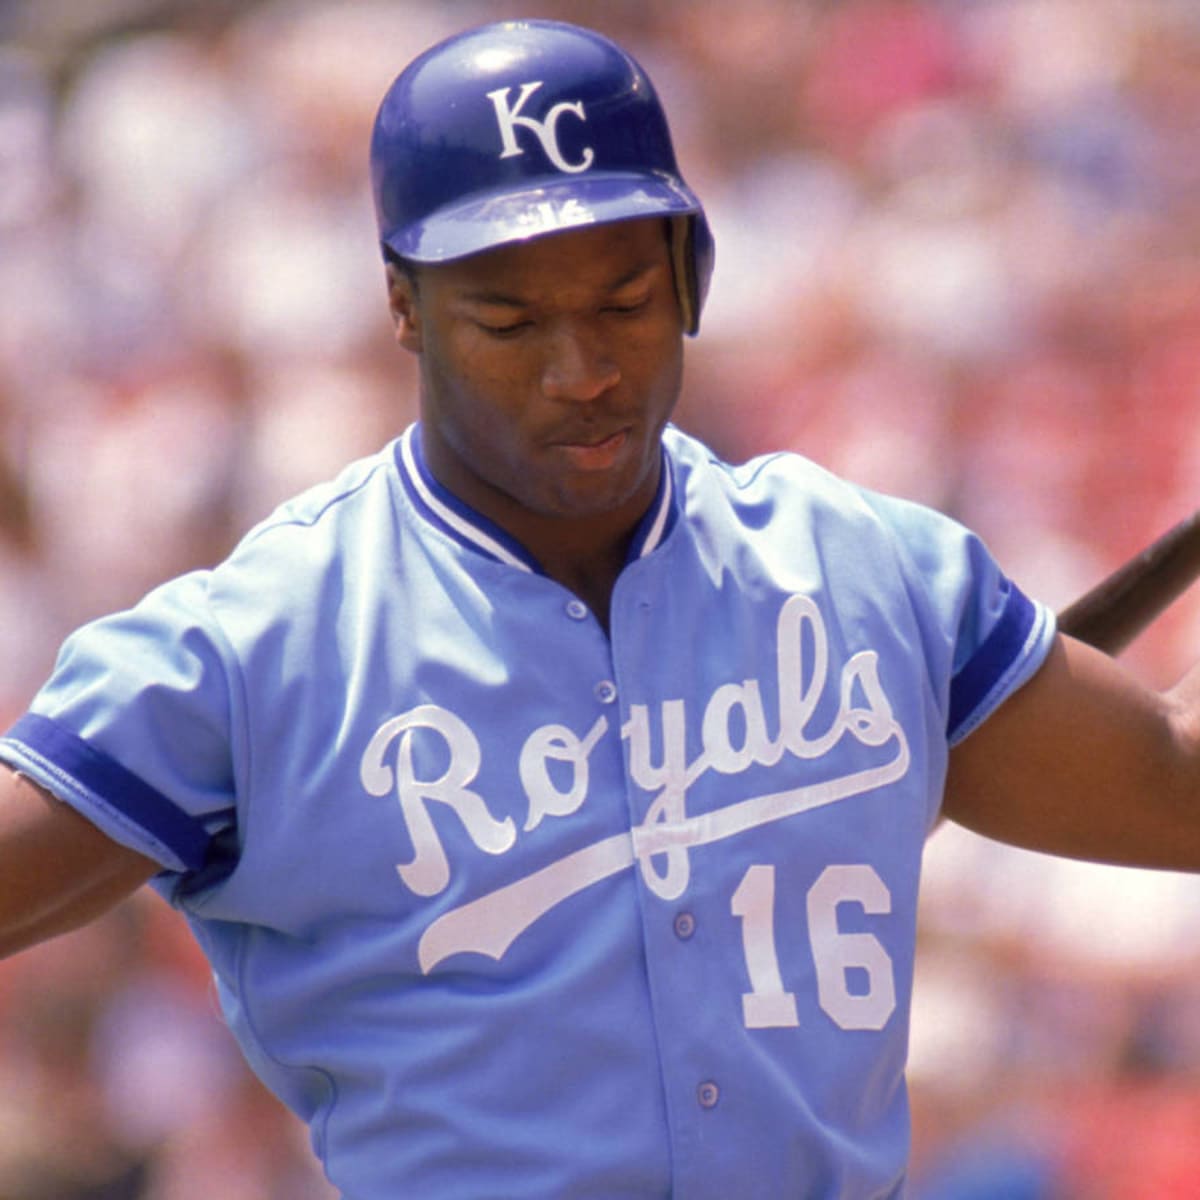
column 590, row 452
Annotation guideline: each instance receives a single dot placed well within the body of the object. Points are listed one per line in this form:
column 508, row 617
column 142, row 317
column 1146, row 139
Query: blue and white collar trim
column 660, row 517
column 450, row 514
column 469, row 528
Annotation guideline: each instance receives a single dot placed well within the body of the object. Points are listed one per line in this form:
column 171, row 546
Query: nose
column 577, row 366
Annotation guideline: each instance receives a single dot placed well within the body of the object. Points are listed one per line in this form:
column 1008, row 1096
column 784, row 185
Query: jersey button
column 576, row 610
column 685, row 925
column 606, row 691
column 708, row 1094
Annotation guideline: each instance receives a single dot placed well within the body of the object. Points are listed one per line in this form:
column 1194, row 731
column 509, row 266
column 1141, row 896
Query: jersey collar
column 459, row 521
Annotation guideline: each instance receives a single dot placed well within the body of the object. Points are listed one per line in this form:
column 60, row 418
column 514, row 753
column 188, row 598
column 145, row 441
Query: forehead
column 591, row 256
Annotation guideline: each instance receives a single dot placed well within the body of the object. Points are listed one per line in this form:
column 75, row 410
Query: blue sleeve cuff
column 66, row 758
column 1001, row 652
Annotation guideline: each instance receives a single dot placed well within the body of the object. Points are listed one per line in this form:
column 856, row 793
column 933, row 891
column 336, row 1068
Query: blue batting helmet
column 522, row 128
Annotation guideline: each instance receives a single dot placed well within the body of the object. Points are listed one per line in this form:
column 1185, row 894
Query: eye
column 627, row 308
column 506, row 329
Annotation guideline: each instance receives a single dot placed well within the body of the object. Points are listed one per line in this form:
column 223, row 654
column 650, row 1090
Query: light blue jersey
column 504, row 906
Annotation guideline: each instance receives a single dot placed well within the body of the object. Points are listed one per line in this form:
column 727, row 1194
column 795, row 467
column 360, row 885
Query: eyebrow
column 489, row 295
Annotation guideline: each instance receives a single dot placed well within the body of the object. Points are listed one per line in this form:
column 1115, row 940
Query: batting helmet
column 522, row 128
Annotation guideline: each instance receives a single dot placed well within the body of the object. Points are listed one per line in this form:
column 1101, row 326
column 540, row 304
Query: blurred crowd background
column 958, row 259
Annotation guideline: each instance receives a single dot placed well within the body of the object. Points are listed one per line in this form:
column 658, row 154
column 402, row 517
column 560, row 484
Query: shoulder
column 330, row 506
column 293, row 569
column 782, row 484
column 331, row 519
column 792, row 509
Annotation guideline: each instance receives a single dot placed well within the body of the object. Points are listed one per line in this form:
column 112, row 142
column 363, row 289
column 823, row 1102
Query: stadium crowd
column 958, row 259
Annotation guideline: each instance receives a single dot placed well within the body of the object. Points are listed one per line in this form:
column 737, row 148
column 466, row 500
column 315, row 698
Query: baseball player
column 548, row 795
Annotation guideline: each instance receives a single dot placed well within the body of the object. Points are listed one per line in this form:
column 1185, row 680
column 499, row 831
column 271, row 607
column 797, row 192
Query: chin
column 592, row 503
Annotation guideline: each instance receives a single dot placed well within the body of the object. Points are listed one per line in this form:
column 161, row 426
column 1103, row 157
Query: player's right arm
column 57, row 870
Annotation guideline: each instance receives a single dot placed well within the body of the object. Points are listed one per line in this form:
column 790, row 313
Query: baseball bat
column 1113, row 613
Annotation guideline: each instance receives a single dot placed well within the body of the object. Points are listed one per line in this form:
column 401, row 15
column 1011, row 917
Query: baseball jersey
column 503, row 905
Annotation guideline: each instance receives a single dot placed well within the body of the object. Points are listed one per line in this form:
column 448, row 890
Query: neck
column 583, row 547
column 592, row 580
column 585, row 554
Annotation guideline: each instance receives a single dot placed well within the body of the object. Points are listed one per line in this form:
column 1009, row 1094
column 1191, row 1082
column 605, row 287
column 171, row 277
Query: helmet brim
column 485, row 221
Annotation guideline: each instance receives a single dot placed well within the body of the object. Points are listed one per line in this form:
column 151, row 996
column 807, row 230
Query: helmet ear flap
column 692, row 255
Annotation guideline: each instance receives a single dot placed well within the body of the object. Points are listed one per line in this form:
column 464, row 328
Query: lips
column 592, row 453
column 593, row 442
column 589, row 438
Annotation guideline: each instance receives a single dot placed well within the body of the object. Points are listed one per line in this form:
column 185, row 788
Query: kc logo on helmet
column 508, row 117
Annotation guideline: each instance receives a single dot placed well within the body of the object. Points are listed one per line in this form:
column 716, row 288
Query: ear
column 405, row 309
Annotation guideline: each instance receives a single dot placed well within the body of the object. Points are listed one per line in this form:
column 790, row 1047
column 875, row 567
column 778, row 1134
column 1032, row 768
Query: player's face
column 548, row 370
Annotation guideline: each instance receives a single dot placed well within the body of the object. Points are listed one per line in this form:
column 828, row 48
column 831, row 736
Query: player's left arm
column 1085, row 761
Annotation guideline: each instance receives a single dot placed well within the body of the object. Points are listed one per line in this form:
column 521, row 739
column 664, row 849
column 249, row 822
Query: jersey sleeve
column 133, row 728
column 983, row 634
